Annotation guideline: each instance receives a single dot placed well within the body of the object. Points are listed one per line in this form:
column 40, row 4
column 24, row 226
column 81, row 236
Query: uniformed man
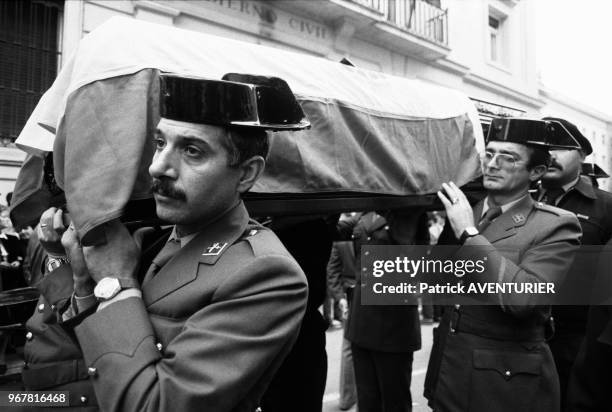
column 383, row 337
column 206, row 325
column 53, row 360
column 564, row 187
column 495, row 357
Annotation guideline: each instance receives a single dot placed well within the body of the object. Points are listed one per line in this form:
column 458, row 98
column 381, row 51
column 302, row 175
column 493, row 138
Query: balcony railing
column 419, row 17
column 379, row 6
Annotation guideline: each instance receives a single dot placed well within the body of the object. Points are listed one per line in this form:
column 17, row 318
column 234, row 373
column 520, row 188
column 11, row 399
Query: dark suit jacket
column 341, row 269
column 593, row 208
column 210, row 331
column 485, row 371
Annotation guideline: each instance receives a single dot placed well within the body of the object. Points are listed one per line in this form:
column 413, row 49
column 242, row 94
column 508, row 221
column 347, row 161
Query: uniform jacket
column 210, row 330
column 381, row 328
column 593, row 207
column 495, row 358
column 53, row 360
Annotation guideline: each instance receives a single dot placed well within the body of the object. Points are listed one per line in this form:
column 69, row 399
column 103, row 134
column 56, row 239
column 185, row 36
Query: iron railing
column 378, row 6
column 422, row 18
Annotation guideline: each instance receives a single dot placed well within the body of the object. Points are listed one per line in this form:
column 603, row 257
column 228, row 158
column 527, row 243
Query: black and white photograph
column 305, row 205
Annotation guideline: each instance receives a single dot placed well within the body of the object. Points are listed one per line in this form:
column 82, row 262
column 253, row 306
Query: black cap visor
column 545, row 134
column 227, row 103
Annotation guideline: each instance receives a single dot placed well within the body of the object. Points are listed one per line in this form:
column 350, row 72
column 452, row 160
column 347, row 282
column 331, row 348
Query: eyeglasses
column 504, row 160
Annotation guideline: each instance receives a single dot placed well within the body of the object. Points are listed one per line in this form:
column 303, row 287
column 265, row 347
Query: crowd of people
column 217, row 311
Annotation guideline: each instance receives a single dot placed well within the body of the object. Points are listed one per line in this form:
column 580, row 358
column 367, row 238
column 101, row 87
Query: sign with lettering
column 275, row 18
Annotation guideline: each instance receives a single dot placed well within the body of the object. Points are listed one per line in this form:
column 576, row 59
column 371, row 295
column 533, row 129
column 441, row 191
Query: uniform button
column 83, row 399
column 457, row 307
column 452, row 330
column 365, row 269
column 366, row 253
column 252, row 232
column 92, row 371
column 507, row 373
column 41, row 307
column 369, row 238
column 159, row 346
column 52, row 307
column 387, row 227
column 29, row 336
column 352, row 236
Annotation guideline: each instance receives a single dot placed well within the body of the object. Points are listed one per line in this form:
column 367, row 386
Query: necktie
column 552, row 195
column 488, row 217
column 170, row 249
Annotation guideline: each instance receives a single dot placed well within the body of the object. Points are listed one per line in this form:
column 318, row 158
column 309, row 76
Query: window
column 495, row 40
column 29, row 34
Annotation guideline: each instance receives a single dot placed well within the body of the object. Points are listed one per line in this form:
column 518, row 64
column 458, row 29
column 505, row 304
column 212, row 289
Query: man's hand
column 50, row 230
column 118, row 257
column 458, row 209
column 83, row 283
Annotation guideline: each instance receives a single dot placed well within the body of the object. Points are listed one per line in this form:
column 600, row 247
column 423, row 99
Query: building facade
column 485, row 48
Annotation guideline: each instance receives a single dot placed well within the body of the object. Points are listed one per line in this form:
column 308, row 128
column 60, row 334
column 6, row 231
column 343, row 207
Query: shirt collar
column 566, row 188
column 504, row 207
column 581, row 184
column 234, row 219
column 183, row 240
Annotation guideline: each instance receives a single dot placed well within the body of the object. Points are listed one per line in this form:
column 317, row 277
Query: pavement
column 419, row 368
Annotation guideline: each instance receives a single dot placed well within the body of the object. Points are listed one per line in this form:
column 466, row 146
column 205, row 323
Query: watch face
column 472, row 231
column 107, row 288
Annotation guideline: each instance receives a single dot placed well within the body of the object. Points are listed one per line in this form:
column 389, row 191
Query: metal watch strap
column 55, row 262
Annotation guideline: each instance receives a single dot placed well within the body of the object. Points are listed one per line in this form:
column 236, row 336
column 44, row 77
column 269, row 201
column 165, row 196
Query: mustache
column 165, row 188
column 556, row 165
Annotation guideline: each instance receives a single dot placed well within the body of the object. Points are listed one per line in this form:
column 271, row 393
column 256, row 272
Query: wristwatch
column 470, row 231
column 55, row 262
column 109, row 287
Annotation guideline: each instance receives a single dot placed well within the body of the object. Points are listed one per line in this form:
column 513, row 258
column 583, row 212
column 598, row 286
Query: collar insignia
column 518, row 218
column 215, row 249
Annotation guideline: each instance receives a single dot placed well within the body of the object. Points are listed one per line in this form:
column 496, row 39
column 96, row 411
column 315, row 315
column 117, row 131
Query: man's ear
column 250, row 170
column 537, row 172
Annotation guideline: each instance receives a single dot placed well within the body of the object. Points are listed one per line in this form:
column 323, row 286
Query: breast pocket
column 504, row 380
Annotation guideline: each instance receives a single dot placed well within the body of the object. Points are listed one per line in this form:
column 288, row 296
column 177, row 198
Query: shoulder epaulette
column 551, row 209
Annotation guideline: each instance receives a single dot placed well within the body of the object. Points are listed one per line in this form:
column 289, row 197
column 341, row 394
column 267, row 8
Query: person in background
column 564, row 187
column 299, row 384
column 341, row 279
column 383, row 338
